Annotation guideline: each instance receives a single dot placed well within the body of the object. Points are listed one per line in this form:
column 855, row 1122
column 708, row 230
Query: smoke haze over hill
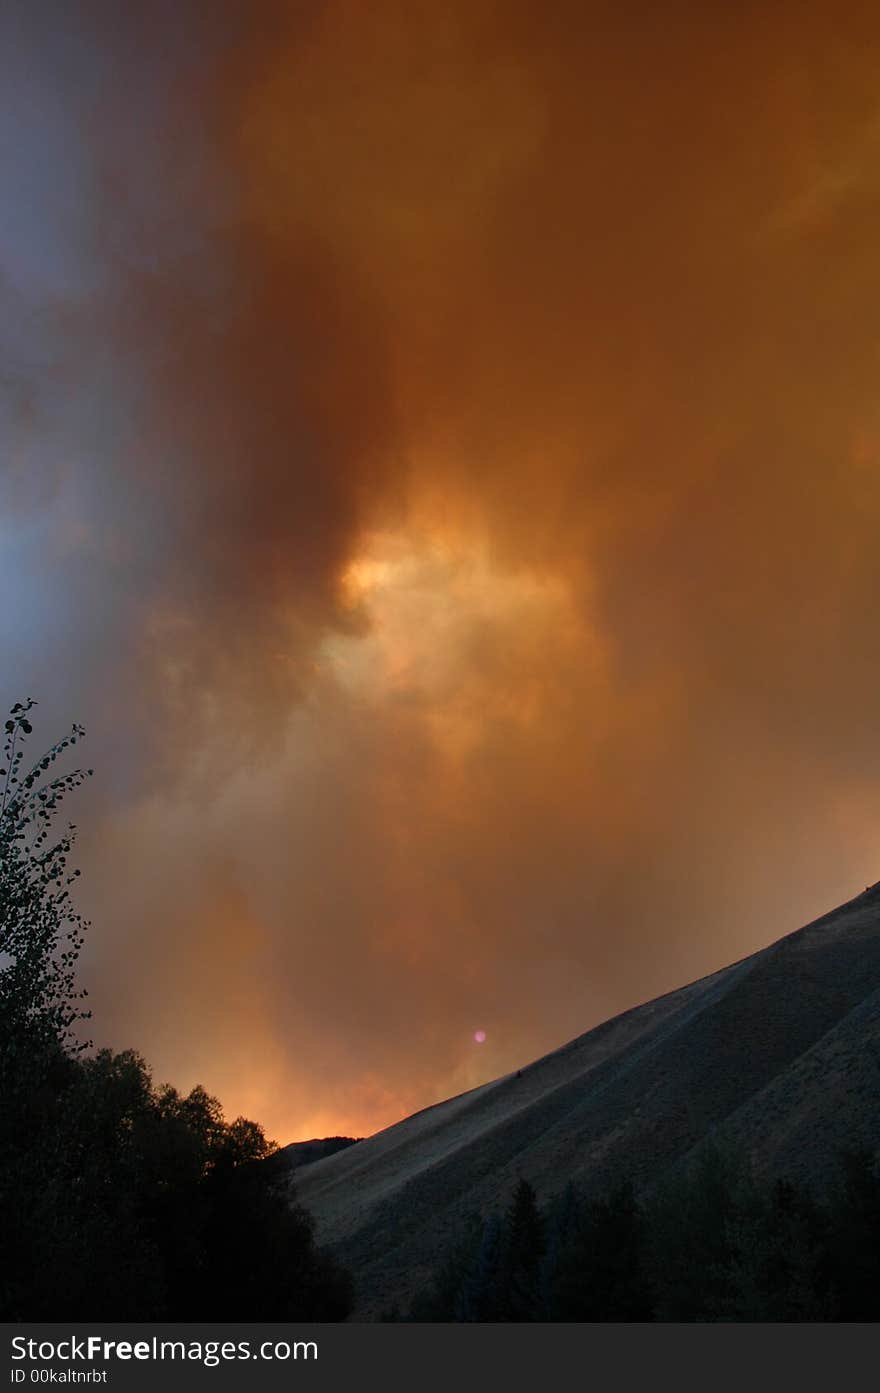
column 441, row 468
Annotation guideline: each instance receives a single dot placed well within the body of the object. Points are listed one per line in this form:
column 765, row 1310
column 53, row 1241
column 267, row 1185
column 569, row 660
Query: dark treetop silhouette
column 118, row 1199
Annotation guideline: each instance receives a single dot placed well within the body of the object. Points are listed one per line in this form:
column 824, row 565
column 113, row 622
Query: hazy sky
column 441, row 469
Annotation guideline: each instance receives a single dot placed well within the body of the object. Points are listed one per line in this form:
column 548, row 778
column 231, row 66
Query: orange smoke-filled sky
column 441, row 468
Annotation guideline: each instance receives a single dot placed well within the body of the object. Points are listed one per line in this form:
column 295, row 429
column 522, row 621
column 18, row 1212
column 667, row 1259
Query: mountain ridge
column 777, row 1054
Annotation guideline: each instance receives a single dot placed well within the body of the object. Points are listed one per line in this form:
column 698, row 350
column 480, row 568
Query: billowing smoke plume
column 441, row 467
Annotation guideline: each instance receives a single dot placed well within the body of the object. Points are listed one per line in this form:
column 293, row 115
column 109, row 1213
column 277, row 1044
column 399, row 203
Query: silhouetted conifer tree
column 479, row 1293
column 600, row 1271
column 854, row 1237
column 522, row 1249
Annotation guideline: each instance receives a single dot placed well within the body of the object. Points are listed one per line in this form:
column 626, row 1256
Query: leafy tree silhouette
column 118, row 1200
column 41, row 934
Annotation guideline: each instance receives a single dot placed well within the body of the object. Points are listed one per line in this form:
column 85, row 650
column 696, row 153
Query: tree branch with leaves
column 41, row 933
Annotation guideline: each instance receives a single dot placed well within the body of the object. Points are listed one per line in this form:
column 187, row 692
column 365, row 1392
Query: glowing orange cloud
column 460, row 454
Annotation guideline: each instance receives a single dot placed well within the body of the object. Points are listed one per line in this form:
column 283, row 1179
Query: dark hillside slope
column 779, row 1053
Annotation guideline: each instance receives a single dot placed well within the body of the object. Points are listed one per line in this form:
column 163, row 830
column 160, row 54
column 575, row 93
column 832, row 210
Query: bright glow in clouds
column 480, row 1037
column 440, row 469
column 434, row 614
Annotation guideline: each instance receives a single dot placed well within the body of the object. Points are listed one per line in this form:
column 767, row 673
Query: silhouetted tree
column 776, row 1271
column 599, row 1274
column 479, row 1296
column 522, row 1248
column 854, row 1237
column 119, row 1200
column 441, row 1298
column 40, row 932
column 712, row 1245
column 691, row 1251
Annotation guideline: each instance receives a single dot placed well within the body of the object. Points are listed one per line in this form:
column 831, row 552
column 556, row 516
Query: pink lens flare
column 479, row 1036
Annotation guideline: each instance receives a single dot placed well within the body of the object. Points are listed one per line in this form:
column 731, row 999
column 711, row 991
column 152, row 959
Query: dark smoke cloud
column 443, row 471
